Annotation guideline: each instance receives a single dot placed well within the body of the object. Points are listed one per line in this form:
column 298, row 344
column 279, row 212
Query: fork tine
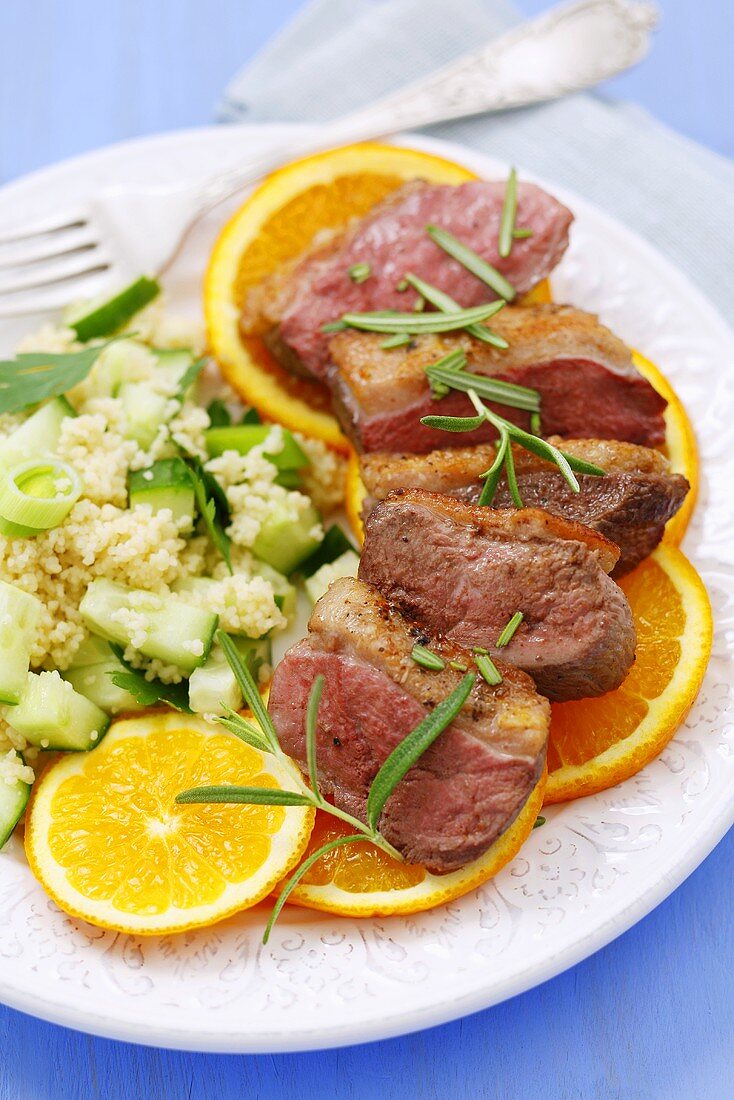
column 52, row 299
column 58, row 223
column 50, row 274
column 40, row 249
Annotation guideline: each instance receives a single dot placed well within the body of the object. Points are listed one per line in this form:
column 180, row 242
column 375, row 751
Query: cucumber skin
column 52, row 711
column 169, row 486
column 15, row 657
column 113, row 314
column 104, row 597
column 283, row 543
column 10, row 815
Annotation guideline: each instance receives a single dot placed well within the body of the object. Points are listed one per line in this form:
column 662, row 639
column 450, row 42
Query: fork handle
column 571, row 47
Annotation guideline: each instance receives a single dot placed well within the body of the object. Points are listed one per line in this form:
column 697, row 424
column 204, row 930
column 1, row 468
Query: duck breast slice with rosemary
column 584, row 374
column 289, row 308
column 468, row 787
column 463, row 571
column 630, row 505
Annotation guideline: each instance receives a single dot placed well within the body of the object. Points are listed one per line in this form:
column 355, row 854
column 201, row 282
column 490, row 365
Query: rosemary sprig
column 488, row 668
column 359, row 273
column 509, row 631
column 508, row 433
column 426, row 658
column 263, row 735
column 472, row 262
column 414, row 323
column 509, row 213
column 396, row 341
column 446, row 304
column 449, row 374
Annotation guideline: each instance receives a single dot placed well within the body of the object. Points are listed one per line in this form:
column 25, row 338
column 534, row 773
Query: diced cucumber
column 144, row 410
column 344, row 566
column 13, row 801
column 285, row 540
column 214, row 687
column 284, row 591
column 174, row 362
column 38, row 435
column 91, row 672
column 243, row 437
column 333, row 545
column 165, row 484
column 52, row 715
column 102, row 318
column 19, row 617
column 174, row 631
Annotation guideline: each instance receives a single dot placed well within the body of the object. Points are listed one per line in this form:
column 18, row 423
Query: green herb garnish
column 415, row 323
column 148, row 692
column 35, row 376
column 472, row 262
column 396, row 341
column 446, row 304
column 522, row 234
column 509, row 213
column 488, row 669
column 452, row 375
column 539, row 821
column 188, row 378
column 358, row 273
column 218, row 413
column 426, row 658
column 263, row 735
column 508, row 433
column 212, row 504
column 510, row 629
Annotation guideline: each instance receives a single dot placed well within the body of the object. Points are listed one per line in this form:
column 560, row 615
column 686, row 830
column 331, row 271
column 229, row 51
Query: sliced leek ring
column 37, row 495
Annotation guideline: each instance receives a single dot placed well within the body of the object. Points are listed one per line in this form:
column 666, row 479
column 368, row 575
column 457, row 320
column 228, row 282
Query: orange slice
column 107, row 841
column 596, row 743
column 359, row 880
column 277, row 222
column 680, row 445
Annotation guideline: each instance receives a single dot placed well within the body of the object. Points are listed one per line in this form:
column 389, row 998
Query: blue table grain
column 650, row 1016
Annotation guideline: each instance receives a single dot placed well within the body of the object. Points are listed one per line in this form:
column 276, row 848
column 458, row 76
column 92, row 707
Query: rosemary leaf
column 446, row 304
column 396, row 341
column 301, row 871
column 458, row 666
column 472, row 262
column 412, row 747
column 358, row 273
column 249, row 689
column 243, row 729
column 488, row 669
column 494, row 473
column 334, row 326
column 522, row 234
column 509, row 213
column 243, row 796
column 510, row 630
column 453, row 423
column 493, row 389
column 426, row 658
column 512, row 478
column 312, row 714
column 417, row 323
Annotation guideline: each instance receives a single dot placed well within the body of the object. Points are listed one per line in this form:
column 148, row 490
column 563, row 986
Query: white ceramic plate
column 595, row 868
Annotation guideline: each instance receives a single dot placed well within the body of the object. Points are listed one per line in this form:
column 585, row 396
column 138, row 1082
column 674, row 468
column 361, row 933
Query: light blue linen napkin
column 340, row 54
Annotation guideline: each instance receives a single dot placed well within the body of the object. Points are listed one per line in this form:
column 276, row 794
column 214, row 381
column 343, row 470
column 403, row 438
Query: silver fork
column 48, row 263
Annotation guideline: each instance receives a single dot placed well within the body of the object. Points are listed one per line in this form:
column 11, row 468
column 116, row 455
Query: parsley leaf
column 149, row 692
column 35, row 376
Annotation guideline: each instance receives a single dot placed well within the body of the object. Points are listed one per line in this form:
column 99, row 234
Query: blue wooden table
column 652, row 1015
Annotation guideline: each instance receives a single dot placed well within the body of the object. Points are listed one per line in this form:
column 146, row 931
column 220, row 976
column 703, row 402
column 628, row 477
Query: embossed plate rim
column 122, row 1016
